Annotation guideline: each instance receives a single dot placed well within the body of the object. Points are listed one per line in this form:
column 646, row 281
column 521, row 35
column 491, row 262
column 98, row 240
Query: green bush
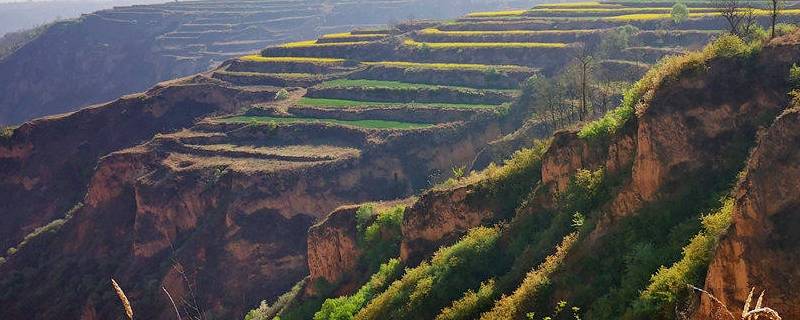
column 6, row 132
column 379, row 234
column 638, row 96
column 794, row 75
column 782, row 29
column 426, row 289
column 669, row 285
column 345, row 308
column 679, row 13
column 515, row 306
column 471, row 303
column 282, row 94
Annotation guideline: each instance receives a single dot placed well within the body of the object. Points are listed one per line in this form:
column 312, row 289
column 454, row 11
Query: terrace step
column 270, row 79
column 407, row 93
column 465, row 75
column 563, row 36
column 261, row 64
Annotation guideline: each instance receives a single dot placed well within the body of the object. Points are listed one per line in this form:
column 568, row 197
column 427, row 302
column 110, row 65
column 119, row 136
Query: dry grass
column 123, row 299
column 758, row 311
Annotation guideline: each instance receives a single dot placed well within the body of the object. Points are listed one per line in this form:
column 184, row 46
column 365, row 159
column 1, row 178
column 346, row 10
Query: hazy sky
column 16, row 15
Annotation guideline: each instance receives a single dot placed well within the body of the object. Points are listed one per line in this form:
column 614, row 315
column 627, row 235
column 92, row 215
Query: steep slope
column 610, row 207
column 208, row 184
column 760, row 251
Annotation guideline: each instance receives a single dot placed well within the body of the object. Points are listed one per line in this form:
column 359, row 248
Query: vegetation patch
column 344, row 308
column 514, row 306
column 364, row 83
column 367, row 124
column 424, row 290
column 669, row 286
column 639, row 95
column 379, row 234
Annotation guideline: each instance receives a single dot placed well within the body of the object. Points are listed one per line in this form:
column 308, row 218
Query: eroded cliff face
column 47, row 163
column 181, row 213
column 761, row 250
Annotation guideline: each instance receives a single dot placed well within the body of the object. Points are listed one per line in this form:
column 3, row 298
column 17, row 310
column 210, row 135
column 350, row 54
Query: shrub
column 381, row 238
column 785, row 28
column 614, row 41
column 424, row 290
column 670, row 285
column 282, row 94
column 638, row 96
column 6, row 132
column 345, row 308
column 679, row 13
column 515, row 305
column 794, row 75
column 466, row 307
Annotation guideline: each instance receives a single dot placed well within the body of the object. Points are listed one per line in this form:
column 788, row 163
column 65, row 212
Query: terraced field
column 425, row 78
column 424, row 75
column 243, row 159
column 142, row 45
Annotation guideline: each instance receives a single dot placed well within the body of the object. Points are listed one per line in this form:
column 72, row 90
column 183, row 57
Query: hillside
column 109, row 53
column 564, row 160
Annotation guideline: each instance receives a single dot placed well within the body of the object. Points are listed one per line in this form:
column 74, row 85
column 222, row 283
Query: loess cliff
column 331, row 178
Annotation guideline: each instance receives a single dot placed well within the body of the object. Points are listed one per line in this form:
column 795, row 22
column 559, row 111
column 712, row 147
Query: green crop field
column 339, row 103
column 367, row 124
column 365, row 83
column 462, row 45
column 259, row 58
column 448, row 66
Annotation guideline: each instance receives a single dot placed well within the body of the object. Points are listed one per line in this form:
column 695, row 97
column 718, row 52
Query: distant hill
column 18, row 15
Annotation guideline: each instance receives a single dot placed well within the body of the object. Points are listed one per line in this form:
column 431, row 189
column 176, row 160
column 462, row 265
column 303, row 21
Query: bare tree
column 731, row 11
column 775, row 6
column 585, row 61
